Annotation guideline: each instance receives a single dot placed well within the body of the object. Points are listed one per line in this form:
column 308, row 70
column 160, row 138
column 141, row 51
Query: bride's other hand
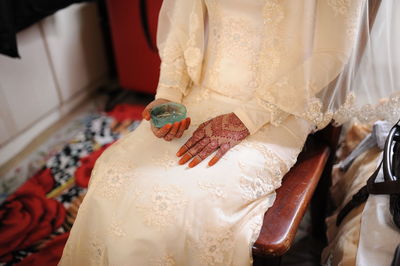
column 169, row 131
column 219, row 133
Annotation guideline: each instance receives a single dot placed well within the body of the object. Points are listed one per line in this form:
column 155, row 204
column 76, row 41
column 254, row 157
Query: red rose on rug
column 124, row 112
column 44, row 179
column 27, row 217
column 49, row 255
column 83, row 173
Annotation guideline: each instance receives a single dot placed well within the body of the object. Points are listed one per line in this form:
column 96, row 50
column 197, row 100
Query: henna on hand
column 219, row 133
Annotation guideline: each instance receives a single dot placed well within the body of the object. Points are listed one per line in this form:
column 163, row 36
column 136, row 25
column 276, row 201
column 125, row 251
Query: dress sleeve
column 252, row 119
column 255, row 118
column 180, row 31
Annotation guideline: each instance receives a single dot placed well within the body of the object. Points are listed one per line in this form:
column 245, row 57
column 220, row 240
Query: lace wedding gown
column 142, row 208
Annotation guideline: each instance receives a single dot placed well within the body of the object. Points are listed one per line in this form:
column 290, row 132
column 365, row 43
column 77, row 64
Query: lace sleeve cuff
column 252, row 119
column 169, row 93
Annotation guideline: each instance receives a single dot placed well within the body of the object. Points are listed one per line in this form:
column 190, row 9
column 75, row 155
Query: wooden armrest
column 292, row 198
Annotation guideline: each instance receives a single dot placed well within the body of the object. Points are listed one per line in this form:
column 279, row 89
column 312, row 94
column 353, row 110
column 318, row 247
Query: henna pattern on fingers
column 220, row 133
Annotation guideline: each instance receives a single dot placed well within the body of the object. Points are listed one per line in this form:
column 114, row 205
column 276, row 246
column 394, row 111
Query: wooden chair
column 281, row 221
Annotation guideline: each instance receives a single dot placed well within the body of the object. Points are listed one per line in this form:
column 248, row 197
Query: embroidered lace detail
column 270, row 58
column 273, row 12
column 96, row 251
column 231, row 37
column 173, row 70
column 277, row 115
column 387, row 109
column 192, row 57
column 166, row 260
column 255, row 226
column 272, row 161
column 349, row 9
column 116, row 229
column 192, row 54
column 340, row 7
column 114, row 181
column 213, row 246
column 167, row 160
column 254, row 187
column 214, row 189
column 161, row 208
column 258, row 183
column 344, row 112
column 272, row 48
column 315, row 115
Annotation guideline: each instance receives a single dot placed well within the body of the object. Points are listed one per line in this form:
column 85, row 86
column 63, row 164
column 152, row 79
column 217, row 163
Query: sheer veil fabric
column 319, row 60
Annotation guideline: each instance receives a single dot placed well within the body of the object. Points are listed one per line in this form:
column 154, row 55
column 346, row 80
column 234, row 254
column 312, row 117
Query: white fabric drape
column 379, row 236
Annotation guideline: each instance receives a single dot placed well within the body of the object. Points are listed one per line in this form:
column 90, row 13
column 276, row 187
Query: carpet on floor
column 36, row 217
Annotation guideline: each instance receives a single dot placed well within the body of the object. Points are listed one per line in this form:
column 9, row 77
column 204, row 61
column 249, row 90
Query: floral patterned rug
column 36, row 217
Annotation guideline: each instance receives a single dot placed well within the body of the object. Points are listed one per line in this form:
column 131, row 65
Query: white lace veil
column 320, row 59
column 368, row 88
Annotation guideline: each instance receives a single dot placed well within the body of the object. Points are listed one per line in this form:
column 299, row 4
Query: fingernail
column 212, row 161
column 187, row 123
column 181, row 151
column 194, row 162
column 184, row 159
column 146, row 116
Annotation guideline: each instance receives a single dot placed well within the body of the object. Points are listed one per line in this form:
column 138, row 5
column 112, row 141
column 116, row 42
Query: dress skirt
column 142, row 208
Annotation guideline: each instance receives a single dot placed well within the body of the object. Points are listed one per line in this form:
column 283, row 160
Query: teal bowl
column 167, row 113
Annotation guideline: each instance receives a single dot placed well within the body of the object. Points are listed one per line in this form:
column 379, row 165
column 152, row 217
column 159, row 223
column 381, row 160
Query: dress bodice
column 233, row 46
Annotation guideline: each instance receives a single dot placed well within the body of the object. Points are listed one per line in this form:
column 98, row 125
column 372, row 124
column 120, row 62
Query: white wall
column 76, row 48
column 62, row 60
column 27, row 90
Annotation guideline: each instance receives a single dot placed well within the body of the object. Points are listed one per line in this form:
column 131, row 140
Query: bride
column 252, row 75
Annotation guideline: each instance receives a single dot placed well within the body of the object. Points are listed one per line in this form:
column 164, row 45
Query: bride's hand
column 219, row 133
column 169, row 131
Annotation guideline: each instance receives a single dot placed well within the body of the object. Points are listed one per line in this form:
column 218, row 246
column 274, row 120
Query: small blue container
column 167, row 113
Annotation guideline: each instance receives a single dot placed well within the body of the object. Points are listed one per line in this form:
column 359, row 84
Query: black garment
column 16, row 15
column 390, row 166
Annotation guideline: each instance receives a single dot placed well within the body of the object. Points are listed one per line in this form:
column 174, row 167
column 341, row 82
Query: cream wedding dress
column 142, row 208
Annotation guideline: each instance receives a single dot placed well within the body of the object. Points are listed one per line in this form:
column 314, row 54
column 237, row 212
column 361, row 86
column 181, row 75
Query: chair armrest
column 292, row 198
